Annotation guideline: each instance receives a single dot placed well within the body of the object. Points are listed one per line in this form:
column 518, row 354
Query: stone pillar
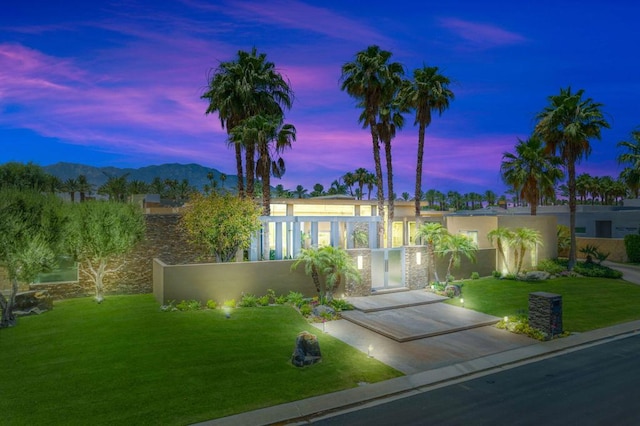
column 545, row 312
column 363, row 288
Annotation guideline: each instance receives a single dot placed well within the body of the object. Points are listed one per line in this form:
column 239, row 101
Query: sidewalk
column 306, row 410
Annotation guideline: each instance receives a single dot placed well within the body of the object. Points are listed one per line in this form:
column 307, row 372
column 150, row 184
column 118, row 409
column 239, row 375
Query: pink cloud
column 481, row 35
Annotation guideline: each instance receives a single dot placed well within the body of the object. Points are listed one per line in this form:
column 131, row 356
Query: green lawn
column 587, row 303
column 126, row 362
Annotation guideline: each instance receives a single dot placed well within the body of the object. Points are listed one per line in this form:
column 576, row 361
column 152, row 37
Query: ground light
column 462, row 301
column 370, row 351
column 227, row 312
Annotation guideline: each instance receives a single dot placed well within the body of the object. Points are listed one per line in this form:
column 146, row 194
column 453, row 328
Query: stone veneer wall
column 363, row 288
column 545, row 312
column 163, row 240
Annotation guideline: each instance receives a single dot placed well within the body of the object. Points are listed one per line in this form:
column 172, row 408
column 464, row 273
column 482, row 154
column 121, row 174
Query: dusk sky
column 118, row 83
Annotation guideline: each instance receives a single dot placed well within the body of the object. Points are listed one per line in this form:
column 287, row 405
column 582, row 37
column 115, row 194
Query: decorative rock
column 323, row 309
column 453, row 290
column 307, row 350
column 32, row 302
column 536, row 276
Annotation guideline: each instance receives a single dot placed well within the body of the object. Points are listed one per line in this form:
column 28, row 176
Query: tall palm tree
column 566, row 125
column 246, row 86
column 390, row 121
column 371, row 78
column 428, row 92
column 531, row 171
column 270, row 137
column 631, row 174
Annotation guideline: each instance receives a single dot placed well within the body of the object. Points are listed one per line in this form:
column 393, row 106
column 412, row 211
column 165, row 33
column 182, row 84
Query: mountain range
column 194, row 173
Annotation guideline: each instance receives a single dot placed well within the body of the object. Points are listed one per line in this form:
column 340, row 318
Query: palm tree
column 360, row 176
column 349, row 180
column 631, row 174
column 456, row 246
column 271, row 137
column 432, row 234
column 531, row 171
column 244, row 87
column 300, row 191
column 370, row 78
column 503, row 238
column 318, row 190
column 566, row 125
column 405, row 196
column 390, row 120
column 337, row 188
column 84, row 187
column 490, row 197
column 524, row 239
column 428, row 92
column 71, row 187
column 115, row 187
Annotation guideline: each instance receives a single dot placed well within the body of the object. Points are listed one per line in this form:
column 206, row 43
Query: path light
column 227, row 312
column 370, row 351
column 506, row 319
column 462, row 301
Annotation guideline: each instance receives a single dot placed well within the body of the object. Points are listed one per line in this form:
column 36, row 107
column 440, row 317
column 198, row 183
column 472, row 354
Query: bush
column 520, row 325
column 475, row 276
column 341, row 305
column 281, row 300
column 496, row 274
column 295, row 298
column 248, row 301
column 263, row 301
column 231, row 303
column 212, row 304
column 551, row 266
column 306, row 309
column 632, row 246
column 189, row 305
column 596, row 270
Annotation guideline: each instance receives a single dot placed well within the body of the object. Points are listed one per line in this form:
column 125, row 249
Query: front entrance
column 387, row 268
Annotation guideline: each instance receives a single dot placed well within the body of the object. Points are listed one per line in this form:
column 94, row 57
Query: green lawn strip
column 125, row 361
column 587, row 303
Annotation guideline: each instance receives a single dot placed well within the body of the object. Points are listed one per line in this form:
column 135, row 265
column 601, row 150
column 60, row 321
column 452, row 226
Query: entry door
column 603, row 229
column 387, row 268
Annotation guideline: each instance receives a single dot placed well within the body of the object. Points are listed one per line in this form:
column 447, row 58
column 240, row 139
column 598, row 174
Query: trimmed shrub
column 632, row 246
column 475, row 275
column 551, row 266
column 248, row 301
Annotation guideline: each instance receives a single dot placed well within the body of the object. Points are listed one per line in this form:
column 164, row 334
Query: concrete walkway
column 429, row 362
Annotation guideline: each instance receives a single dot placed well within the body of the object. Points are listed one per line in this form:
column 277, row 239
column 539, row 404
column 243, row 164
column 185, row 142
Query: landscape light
column 370, row 351
column 462, row 301
column 227, row 312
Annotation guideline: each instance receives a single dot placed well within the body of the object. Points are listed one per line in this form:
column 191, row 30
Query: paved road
column 599, row 385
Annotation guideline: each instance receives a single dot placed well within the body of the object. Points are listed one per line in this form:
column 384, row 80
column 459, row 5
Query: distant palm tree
column 84, row 187
column 337, row 188
column 490, row 197
column 370, row 78
column 318, row 190
column 115, row 187
column 300, row 192
column 247, row 86
column 406, row 196
column 566, row 125
column 71, row 187
column 631, row 174
column 531, row 171
column 428, row 92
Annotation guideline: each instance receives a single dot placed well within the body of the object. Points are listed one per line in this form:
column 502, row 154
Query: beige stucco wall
column 225, row 281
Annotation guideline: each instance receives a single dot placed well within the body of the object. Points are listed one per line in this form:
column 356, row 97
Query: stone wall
column 545, row 312
column 362, row 288
column 163, row 240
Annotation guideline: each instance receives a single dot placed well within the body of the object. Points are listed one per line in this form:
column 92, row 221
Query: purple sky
column 119, row 82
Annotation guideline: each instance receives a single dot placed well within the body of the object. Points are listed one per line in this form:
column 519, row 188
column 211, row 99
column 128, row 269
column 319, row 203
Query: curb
column 307, row 410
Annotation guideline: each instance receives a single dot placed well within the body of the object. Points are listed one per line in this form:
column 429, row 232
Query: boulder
column 306, row 351
column 323, row 309
column 452, row 290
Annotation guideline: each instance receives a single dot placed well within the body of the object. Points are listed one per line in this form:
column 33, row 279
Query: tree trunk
column 250, row 167
column 418, row 189
column 8, row 318
column 387, row 150
column 571, row 183
column 379, row 182
column 238, row 149
column 316, row 279
column 99, row 275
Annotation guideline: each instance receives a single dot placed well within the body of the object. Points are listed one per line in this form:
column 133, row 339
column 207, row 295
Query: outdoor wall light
column 418, row 258
column 370, row 351
column 360, row 262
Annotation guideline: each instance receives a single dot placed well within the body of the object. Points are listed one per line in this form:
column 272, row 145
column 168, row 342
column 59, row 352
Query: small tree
column 333, row 263
column 456, row 246
column 524, row 239
column 31, row 226
column 432, row 235
column 101, row 232
column 221, row 224
column 502, row 237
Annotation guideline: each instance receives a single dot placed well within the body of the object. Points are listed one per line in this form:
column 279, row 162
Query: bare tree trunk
column 8, row 318
column 418, row 189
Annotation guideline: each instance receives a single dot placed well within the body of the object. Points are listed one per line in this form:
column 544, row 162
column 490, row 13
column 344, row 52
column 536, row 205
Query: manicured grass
column 587, row 303
column 126, row 362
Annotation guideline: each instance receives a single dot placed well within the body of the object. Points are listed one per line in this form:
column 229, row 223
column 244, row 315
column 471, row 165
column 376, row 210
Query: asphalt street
column 598, row 385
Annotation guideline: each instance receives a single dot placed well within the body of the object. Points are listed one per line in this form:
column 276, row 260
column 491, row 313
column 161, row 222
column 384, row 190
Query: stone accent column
column 545, row 312
column 363, row 288
column 415, row 273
